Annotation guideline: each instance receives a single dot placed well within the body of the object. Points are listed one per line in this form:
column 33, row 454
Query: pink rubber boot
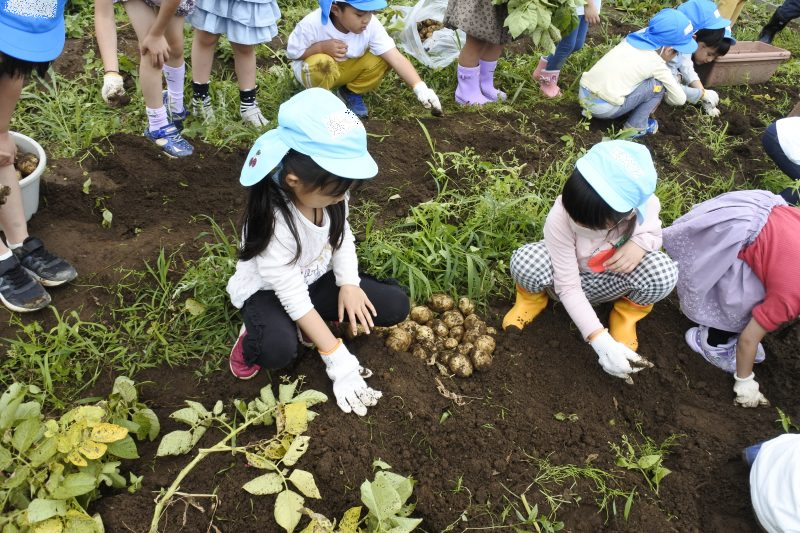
column 537, row 72
column 468, row 91
column 548, row 83
column 487, row 82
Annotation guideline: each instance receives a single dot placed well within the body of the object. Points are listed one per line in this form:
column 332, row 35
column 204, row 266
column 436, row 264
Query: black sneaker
column 18, row 290
column 49, row 269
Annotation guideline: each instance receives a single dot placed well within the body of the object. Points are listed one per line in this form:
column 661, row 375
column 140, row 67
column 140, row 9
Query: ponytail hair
column 271, row 197
column 587, row 208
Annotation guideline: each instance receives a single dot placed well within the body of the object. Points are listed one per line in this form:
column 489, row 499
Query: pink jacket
column 570, row 246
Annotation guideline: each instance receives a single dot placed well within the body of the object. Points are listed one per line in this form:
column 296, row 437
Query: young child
column 483, row 22
column 633, row 78
column 160, row 35
column 737, row 255
column 341, row 45
column 601, row 243
column 297, row 264
column 781, row 141
column 774, row 478
column 31, row 37
column 548, row 70
column 713, row 40
column 246, row 23
column 105, row 27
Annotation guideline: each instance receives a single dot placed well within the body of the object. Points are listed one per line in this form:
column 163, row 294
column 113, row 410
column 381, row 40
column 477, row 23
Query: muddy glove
column 351, row 391
column 747, row 393
column 113, row 91
column 428, row 98
column 709, row 101
column 617, row 359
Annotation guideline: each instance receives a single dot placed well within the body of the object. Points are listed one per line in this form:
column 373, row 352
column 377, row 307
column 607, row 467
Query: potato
column 485, row 343
column 481, row 360
column 424, row 333
column 456, row 332
column 408, row 325
column 471, row 336
column 466, row 306
column 419, row 353
column 470, row 320
column 347, row 331
column 438, row 327
column 428, row 347
column 438, row 342
column 491, row 331
column 26, row 163
column 421, row 314
column 19, row 174
column 450, row 343
column 452, row 319
column 399, row 340
column 466, row 348
column 441, row 302
column 460, row 365
column 445, row 356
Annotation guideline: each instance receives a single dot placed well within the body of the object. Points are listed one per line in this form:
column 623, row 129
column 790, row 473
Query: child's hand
column 335, row 48
column 351, row 391
column 428, row 98
column 625, row 259
column 157, row 48
column 353, row 301
column 591, row 14
column 747, row 393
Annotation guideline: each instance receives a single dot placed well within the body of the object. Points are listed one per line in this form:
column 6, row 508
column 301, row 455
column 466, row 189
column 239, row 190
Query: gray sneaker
column 48, row 269
column 18, row 290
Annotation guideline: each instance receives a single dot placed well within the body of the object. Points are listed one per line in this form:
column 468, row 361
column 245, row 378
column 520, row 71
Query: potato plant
column 446, row 333
column 51, row 469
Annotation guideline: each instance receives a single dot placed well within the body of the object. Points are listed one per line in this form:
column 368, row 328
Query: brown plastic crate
column 747, row 62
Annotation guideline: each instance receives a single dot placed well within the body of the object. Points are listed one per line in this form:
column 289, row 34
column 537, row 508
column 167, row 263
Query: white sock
column 6, row 255
column 175, row 79
column 14, row 246
column 157, row 118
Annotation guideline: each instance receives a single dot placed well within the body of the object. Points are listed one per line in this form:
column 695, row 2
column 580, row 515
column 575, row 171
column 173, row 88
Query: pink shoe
column 239, row 367
column 537, row 72
column 548, row 83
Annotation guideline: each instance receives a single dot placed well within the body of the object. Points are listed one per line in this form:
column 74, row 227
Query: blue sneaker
column 175, row 118
column 354, row 102
column 169, row 139
column 652, row 127
column 749, row 454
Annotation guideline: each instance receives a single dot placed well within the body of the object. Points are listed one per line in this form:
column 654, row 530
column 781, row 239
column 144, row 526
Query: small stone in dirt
column 553, row 343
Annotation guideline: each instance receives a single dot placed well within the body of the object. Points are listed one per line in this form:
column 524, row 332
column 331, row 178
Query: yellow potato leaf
column 106, row 432
column 92, row 450
column 304, row 481
column 296, row 450
column 296, row 419
column 52, row 525
column 350, row 519
column 75, row 458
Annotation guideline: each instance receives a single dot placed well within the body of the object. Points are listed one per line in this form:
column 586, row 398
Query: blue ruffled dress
column 241, row 21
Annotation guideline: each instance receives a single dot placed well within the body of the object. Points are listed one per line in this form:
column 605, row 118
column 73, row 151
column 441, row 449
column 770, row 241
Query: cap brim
column 266, row 153
column 687, row 48
column 360, row 168
column 369, row 5
column 39, row 47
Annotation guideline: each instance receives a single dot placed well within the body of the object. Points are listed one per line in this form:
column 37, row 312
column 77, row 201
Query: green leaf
column 9, row 402
column 108, row 216
column 403, row 485
column 271, row 483
column 187, row 415
column 28, row 410
column 42, row 509
column 310, row 397
column 146, row 416
column 268, row 397
column 25, row 433
column 288, row 507
column 5, row 458
column 42, row 453
column 286, row 391
column 404, row 525
column 648, row 461
column 380, row 497
column 304, row 481
column 87, row 186
column 217, row 410
column 377, row 463
column 175, row 443
column 660, row 474
column 75, row 485
column 124, row 449
column 16, row 479
column 125, row 388
column 296, row 450
column 197, row 406
column 350, row 520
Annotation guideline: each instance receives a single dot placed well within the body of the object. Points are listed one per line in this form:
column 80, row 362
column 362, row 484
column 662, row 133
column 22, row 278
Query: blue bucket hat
column 315, row 123
column 703, row 14
column 729, row 35
column 32, row 31
column 361, row 5
column 668, row 27
column 622, row 173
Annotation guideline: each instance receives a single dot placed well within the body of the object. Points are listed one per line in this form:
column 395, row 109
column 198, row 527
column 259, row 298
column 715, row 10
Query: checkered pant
column 652, row 280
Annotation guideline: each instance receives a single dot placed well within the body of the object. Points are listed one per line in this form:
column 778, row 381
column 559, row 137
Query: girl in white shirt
column 297, row 264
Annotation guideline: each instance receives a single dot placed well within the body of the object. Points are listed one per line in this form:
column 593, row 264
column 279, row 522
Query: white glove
column 113, row 89
column 428, row 98
column 747, row 393
column 351, row 391
column 617, row 359
column 710, row 97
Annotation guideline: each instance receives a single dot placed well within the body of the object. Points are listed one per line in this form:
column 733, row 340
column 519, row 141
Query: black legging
column 271, row 340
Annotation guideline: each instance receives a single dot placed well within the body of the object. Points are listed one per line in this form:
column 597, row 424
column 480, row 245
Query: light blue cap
column 622, row 173
column 668, row 27
column 703, row 14
column 729, row 35
column 361, row 5
column 32, row 31
column 315, row 123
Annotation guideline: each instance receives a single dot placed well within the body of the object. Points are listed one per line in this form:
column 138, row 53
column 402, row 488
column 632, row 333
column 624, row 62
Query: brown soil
column 491, row 442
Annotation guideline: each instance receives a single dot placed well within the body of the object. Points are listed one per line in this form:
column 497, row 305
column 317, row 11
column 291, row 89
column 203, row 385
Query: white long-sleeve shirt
column 571, row 246
column 274, row 270
column 623, row 68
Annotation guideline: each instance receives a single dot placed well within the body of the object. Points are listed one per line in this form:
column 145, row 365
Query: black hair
column 13, row 68
column 587, row 208
column 269, row 198
column 714, row 39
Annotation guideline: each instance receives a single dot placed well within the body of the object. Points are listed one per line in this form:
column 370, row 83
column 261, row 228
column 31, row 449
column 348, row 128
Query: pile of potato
column 25, row 164
column 426, row 27
column 447, row 334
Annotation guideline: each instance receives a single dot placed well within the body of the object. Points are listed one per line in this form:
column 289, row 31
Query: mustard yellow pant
column 360, row 74
column 730, row 9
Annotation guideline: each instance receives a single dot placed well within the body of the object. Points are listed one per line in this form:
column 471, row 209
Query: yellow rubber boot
column 527, row 307
column 622, row 321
